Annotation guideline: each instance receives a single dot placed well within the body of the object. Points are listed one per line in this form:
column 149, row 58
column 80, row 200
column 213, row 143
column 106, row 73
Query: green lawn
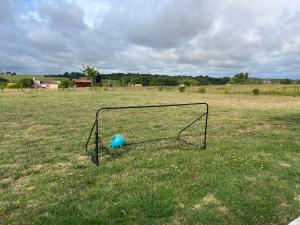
column 249, row 173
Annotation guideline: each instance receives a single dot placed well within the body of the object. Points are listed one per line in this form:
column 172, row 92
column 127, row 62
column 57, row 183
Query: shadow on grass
column 293, row 118
column 151, row 145
column 144, row 206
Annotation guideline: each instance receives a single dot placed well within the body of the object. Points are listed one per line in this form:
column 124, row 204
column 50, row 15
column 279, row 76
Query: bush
column 65, row 84
column 240, row 78
column 226, row 91
column 3, row 80
column 186, row 83
column 201, row 90
column 26, row 83
column 160, row 88
column 181, row 88
column 2, row 86
column 256, row 91
column 14, row 85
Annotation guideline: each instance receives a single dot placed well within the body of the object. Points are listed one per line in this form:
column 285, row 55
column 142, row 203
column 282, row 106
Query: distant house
column 82, row 83
column 136, row 85
column 47, row 84
column 267, row 82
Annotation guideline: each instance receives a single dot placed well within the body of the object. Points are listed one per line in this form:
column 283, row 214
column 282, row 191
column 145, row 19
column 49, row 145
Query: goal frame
column 95, row 128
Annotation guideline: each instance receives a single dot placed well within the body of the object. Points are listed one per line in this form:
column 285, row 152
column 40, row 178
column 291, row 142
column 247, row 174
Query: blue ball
column 117, row 141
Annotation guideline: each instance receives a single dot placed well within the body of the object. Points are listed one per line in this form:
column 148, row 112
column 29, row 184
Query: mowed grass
column 249, row 173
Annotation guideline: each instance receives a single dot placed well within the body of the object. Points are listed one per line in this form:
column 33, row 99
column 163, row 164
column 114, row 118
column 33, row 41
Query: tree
column 98, row 78
column 3, row 80
column 64, row 84
column 66, row 74
column 26, row 83
column 189, row 82
column 286, row 81
column 240, row 78
column 3, row 83
column 90, row 72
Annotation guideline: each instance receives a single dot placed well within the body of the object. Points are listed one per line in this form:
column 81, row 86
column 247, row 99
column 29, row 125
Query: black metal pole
column 97, row 143
column 205, row 132
column 88, row 140
column 178, row 136
column 148, row 106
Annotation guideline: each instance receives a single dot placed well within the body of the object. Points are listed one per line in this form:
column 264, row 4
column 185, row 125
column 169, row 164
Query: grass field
column 14, row 79
column 263, row 89
column 249, row 173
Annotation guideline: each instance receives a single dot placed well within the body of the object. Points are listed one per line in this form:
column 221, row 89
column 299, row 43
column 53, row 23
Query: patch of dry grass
column 210, row 199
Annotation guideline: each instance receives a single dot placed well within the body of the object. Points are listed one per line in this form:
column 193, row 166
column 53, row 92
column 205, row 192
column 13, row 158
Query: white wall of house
column 36, row 83
column 49, row 86
column 44, row 84
column 136, row 85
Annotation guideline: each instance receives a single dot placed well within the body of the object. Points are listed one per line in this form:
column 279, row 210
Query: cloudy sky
column 214, row 37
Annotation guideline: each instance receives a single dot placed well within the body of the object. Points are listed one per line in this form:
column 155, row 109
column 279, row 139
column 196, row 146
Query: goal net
column 148, row 127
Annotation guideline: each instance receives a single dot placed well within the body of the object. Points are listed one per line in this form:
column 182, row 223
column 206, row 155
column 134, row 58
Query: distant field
column 14, row 79
column 263, row 89
column 249, row 174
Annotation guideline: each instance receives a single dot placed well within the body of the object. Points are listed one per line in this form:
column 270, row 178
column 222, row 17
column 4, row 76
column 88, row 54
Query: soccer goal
column 148, row 127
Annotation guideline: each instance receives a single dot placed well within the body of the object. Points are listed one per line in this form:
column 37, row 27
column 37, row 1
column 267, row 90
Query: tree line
column 126, row 79
column 149, row 79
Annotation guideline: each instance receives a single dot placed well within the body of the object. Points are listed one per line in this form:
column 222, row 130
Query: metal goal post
column 98, row 148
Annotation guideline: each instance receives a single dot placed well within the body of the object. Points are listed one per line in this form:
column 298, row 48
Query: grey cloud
column 169, row 25
column 168, row 36
column 63, row 17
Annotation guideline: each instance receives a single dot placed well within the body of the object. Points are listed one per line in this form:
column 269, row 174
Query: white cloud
column 94, row 11
column 167, row 36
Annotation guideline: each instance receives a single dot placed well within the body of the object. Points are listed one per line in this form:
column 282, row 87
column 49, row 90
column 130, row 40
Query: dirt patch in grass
column 38, row 167
column 6, row 180
column 57, row 168
column 284, row 205
column 222, row 209
column 38, row 127
column 23, row 183
column 177, row 220
column 297, row 198
column 250, row 178
column 81, row 158
column 284, row 164
column 32, row 205
column 62, row 167
column 210, row 199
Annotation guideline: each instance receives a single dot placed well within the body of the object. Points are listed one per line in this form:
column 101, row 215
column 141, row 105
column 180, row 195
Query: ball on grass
column 117, row 141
